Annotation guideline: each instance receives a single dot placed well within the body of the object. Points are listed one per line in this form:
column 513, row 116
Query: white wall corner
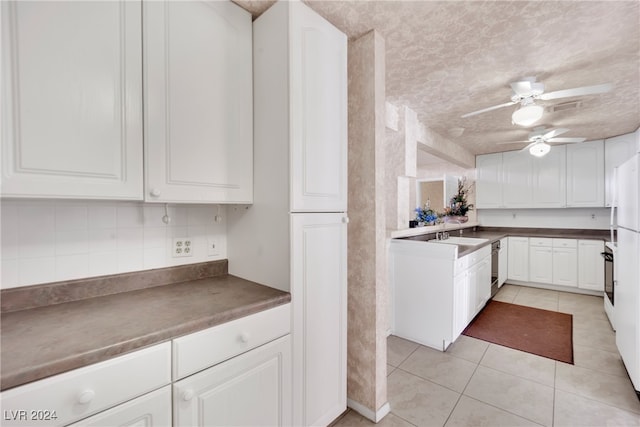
column 411, row 141
column 404, row 201
column 392, row 117
column 376, row 416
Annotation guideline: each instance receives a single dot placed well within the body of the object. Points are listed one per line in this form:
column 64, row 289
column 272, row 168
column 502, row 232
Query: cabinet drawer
column 151, row 410
column 85, row 391
column 480, row 254
column 540, row 241
column 565, row 243
column 200, row 350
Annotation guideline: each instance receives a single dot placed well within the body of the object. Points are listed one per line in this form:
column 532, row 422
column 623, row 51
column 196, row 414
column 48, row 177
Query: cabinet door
column 71, row 100
column 616, row 151
column 502, row 261
column 150, row 410
column 253, row 389
column 198, row 102
column 318, row 113
column 549, row 179
column 541, row 264
column 460, row 304
column 489, row 182
column 565, row 266
column 517, row 179
column 591, row 265
column 319, row 302
column 585, row 174
column 472, row 292
column 483, row 284
column 518, row 258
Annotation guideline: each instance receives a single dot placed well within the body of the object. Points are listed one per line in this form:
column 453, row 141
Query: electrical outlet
column 182, row 247
column 213, row 248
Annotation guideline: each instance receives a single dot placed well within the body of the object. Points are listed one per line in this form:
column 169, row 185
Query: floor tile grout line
column 503, row 410
column 506, row 410
column 553, row 407
column 465, row 386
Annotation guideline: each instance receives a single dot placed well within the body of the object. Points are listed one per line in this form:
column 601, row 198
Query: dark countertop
column 48, row 340
column 497, row 233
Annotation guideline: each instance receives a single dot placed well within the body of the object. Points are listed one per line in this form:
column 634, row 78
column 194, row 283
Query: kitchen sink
column 470, row 241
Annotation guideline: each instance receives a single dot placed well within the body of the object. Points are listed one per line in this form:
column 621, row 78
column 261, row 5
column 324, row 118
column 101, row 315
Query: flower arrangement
column 458, row 205
column 426, row 215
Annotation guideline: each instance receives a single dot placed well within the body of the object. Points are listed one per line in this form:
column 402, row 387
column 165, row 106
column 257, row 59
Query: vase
column 456, row 219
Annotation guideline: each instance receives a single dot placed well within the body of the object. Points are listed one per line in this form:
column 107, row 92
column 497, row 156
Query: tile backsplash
column 46, row 241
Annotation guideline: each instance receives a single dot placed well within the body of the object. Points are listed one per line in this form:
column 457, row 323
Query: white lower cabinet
column 319, row 298
column 518, row 259
column 436, row 294
column 151, row 410
column 83, row 392
column 540, row 260
column 234, row 374
column 590, row 265
column 565, row 262
column 253, row 389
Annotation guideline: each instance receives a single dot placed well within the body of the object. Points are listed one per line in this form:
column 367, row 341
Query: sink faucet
column 442, row 235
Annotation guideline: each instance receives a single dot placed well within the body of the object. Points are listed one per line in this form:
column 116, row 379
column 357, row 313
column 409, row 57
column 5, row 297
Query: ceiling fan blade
column 552, row 133
column 521, row 88
column 578, row 91
column 567, row 140
column 495, row 107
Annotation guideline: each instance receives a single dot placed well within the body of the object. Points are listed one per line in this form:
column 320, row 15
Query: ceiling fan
column 528, row 90
column 540, row 138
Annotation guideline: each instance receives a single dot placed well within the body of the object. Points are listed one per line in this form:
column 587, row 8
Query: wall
column 46, row 241
column 368, row 296
column 583, row 218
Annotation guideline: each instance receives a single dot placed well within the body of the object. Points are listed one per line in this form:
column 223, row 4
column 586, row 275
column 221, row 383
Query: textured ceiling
column 448, row 58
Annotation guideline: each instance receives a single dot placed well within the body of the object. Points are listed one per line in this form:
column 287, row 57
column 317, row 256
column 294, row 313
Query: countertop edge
column 80, row 360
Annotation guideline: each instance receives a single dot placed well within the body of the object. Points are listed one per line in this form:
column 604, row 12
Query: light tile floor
column 476, row 383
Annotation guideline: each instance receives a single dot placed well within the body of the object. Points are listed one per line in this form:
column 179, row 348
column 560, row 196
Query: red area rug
column 542, row 332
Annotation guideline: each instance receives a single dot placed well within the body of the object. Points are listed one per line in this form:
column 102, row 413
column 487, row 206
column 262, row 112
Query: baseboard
column 569, row 289
column 368, row 413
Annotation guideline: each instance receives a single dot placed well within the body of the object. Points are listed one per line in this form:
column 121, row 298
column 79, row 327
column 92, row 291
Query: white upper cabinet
column 300, row 78
column 549, row 179
column 617, row 150
column 585, row 174
column 71, row 103
column 198, row 102
column 517, row 190
column 489, row 181
column 318, row 93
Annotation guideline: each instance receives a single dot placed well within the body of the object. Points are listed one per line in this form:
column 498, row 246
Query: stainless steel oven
column 495, row 259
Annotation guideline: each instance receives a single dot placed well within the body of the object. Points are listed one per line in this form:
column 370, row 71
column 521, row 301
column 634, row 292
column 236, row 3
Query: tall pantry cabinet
column 294, row 235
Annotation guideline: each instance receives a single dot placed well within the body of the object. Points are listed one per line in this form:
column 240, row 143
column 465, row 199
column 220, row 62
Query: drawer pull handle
column 187, row 395
column 155, row 192
column 244, row 337
column 85, row 396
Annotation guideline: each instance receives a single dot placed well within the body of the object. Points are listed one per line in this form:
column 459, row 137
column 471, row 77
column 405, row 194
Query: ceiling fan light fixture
column 539, row 149
column 527, row 115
